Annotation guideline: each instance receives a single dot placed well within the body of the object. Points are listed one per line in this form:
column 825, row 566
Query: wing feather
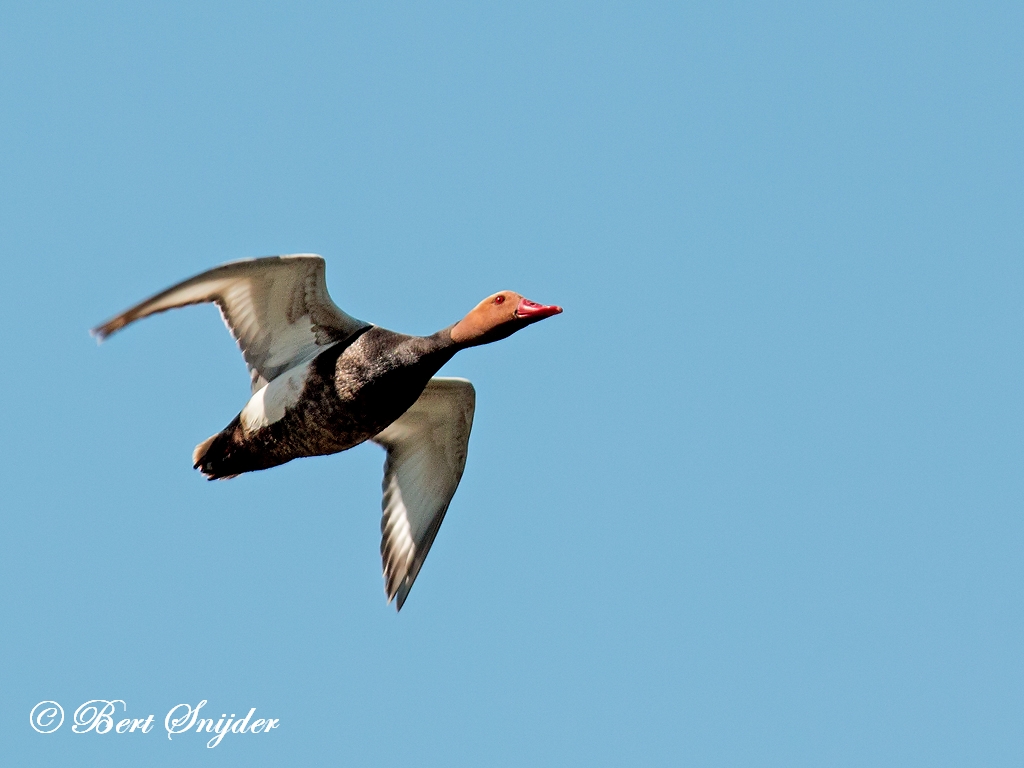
column 277, row 309
column 426, row 455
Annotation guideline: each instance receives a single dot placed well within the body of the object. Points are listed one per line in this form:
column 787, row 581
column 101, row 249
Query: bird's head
column 497, row 317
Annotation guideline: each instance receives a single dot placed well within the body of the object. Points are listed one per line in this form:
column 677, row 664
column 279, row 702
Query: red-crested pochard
column 323, row 382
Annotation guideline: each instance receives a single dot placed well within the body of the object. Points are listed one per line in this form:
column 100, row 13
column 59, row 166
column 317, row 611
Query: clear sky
column 754, row 499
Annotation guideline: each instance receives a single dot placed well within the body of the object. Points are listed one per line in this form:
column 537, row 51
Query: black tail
column 218, row 457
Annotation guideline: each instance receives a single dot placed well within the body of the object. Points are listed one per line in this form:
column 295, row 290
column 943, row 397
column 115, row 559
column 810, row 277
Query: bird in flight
column 323, row 382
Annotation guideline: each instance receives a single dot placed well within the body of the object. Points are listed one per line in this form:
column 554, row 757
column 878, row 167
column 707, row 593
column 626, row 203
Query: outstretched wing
column 276, row 307
column 426, row 456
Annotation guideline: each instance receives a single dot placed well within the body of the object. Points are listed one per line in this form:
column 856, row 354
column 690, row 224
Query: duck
column 324, row 382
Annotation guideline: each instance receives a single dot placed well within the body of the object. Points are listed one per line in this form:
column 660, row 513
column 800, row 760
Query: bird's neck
column 468, row 332
column 471, row 332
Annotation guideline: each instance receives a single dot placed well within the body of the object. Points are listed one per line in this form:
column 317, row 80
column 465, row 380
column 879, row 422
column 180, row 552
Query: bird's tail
column 213, row 457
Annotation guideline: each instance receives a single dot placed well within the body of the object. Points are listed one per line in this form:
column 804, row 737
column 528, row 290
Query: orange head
column 499, row 316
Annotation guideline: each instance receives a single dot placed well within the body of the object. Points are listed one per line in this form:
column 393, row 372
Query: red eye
column 499, row 299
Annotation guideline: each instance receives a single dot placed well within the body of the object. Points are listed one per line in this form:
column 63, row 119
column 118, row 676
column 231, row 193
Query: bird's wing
column 276, row 307
column 426, row 456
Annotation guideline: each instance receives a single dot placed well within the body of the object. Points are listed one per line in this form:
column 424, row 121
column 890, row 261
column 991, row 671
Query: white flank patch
column 270, row 403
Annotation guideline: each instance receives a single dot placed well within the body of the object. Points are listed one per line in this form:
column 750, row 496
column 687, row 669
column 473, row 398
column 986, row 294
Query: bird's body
column 344, row 396
column 324, row 382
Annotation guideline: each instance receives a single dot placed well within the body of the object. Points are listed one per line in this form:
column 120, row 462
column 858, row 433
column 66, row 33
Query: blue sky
column 753, row 500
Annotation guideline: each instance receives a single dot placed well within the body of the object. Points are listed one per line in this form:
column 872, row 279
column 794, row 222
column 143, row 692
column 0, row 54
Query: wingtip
column 101, row 332
column 401, row 595
column 397, row 597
